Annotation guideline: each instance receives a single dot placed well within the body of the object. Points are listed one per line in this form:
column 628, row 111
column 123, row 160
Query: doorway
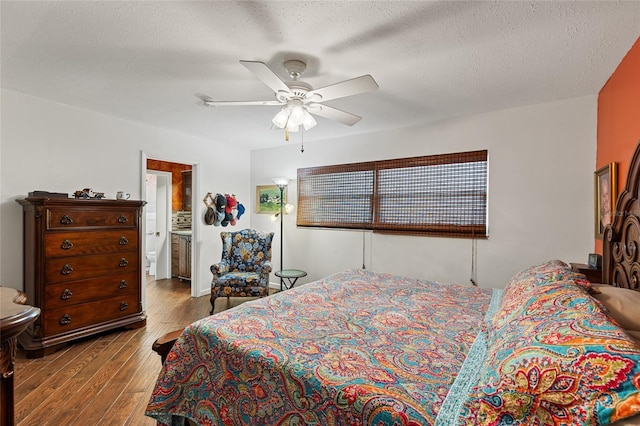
column 163, row 179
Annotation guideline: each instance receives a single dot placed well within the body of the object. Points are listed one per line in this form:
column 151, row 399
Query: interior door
column 163, row 225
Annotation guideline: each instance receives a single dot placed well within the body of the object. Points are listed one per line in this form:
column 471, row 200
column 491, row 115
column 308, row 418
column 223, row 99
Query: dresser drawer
column 65, row 319
column 57, row 244
column 64, row 218
column 76, row 292
column 65, row 269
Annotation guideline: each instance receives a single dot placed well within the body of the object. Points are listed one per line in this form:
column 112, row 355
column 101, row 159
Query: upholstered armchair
column 245, row 266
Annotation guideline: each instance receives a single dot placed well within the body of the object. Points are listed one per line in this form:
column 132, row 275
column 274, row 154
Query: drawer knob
column 123, row 284
column 66, row 319
column 123, row 241
column 66, row 294
column 122, row 219
column 123, row 262
column 66, row 220
column 124, row 306
column 66, row 245
column 66, row 269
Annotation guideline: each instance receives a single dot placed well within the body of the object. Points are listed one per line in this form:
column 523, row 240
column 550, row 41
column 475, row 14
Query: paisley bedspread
column 355, row 348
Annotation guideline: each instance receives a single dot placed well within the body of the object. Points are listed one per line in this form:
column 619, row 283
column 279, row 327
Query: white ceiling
column 148, row 61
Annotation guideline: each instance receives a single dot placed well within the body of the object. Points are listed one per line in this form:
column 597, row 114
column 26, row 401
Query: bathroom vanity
column 181, row 254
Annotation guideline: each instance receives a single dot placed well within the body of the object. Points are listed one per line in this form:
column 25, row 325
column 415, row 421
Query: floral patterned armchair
column 245, row 266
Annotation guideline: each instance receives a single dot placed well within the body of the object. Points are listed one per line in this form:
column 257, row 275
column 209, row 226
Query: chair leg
column 213, row 302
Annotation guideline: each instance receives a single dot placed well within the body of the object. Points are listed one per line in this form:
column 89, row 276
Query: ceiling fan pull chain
column 302, row 140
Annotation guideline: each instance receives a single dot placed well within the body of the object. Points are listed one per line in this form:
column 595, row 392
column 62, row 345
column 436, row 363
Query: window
column 442, row 195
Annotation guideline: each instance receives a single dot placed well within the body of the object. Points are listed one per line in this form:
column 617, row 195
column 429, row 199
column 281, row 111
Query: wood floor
column 105, row 380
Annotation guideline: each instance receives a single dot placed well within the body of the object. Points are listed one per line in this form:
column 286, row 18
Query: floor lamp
column 282, row 184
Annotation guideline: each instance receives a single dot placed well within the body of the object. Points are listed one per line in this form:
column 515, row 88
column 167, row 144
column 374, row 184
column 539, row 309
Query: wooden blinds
column 442, row 195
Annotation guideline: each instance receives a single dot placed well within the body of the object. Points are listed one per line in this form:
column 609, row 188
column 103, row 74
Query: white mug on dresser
column 121, row 195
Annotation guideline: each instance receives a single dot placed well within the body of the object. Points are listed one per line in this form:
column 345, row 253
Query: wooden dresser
column 82, row 268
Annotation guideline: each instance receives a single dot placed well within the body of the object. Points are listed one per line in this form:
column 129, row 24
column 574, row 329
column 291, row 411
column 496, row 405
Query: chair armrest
column 219, row 269
column 265, row 270
column 163, row 344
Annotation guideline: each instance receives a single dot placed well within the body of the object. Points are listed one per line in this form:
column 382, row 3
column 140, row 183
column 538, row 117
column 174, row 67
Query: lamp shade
column 280, row 181
column 280, row 120
column 309, row 122
column 297, row 114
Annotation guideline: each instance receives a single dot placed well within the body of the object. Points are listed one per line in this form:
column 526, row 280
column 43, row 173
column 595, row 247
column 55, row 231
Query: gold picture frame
column 605, row 185
column 268, row 199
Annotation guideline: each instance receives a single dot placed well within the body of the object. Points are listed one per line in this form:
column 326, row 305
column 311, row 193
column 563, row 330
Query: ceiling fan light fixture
column 296, row 111
column 297, row 114
column 308, row 122
column 281, row 118
column 292, row 126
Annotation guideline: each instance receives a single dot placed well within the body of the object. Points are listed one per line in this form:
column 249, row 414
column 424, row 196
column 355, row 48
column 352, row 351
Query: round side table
column 291, row 275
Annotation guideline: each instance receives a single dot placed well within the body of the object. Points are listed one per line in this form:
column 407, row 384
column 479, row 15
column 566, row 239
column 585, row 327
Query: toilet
column 151, row 242
column 151, row 258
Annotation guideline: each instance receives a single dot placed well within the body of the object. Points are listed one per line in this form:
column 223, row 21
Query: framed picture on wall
column 268, row 199
column 605, row 191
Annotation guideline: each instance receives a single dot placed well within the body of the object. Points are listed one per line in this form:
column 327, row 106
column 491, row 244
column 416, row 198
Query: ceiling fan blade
column 333, row 114
column 268, row 77
column 355, row 86
column 210, row 102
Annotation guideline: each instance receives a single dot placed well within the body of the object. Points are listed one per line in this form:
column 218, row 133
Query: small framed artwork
column 268, row 199
column 605, row 192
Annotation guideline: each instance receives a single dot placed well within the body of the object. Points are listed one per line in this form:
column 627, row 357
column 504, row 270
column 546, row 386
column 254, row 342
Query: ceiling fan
column 299, row 99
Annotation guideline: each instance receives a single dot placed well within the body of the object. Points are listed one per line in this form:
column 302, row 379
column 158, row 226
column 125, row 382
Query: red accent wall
column 619, row 118
column 176, row 170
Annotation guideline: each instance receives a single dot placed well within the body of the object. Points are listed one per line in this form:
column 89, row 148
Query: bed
column 365, row 348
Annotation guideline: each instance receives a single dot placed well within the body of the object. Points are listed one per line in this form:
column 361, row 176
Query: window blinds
column 433, row 195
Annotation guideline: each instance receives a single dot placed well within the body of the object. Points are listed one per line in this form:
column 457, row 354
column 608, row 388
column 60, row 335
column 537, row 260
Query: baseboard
column 274, row 285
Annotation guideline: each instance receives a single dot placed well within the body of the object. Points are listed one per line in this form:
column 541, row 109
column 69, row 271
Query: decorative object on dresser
column 82, row 268
column 88, row 193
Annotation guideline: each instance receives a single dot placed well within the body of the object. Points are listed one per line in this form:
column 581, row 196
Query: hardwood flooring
column 105, row 380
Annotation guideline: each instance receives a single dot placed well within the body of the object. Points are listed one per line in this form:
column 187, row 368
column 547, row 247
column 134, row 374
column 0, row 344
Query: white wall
column 53, row 147
column 541, row 162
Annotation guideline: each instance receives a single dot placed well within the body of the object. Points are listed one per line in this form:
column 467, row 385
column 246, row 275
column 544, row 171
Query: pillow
column 621, row 303
column 561, row 360
column 536, row 279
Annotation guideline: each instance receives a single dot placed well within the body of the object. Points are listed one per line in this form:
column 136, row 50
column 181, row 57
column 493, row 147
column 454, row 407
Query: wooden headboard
column 621, row 257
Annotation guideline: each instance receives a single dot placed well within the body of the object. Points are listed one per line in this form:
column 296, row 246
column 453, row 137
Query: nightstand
column 594, row 275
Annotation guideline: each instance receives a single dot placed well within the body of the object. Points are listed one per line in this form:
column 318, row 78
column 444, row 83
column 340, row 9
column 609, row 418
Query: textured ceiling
column 149, row 61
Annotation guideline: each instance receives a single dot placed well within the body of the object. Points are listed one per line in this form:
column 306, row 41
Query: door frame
column 195, row 224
